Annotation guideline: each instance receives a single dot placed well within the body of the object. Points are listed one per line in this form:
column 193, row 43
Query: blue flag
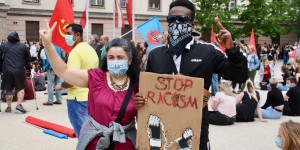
column 151, row 31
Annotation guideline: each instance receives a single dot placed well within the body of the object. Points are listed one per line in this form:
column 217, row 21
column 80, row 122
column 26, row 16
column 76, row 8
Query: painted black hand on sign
column 154, row 125
column 186, row 136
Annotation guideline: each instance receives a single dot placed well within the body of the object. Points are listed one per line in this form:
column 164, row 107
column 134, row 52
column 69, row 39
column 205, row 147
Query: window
column 127, row 37
column 97, row 29
column 232, row 4
column 31, row 1
column 97, row 3
column 123, row 3
column 154, row 4
column 32, row 30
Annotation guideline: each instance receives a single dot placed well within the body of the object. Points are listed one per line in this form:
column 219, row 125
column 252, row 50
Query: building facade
column 27, row 17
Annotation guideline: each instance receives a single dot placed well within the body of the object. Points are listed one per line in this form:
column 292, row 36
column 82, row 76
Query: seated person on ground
column 288, row 137
column 224, row 106
column 247, row 102
column 266, row 72
column 285, row 74
column 291, row 69
column 292, row 99
column 39, row 81
column 272, row 109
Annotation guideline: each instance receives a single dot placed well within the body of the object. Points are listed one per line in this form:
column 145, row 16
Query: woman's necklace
column 117, row 87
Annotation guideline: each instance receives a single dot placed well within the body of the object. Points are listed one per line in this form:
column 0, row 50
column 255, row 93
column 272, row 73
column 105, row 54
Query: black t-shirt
column 292, row 71
column 294, row 99
column 271, row 54
column 284, row 77
column 274, row 98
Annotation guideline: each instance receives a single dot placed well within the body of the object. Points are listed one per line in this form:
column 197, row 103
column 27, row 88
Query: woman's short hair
column 134, row 69
column 291, row 133
column 273, row 82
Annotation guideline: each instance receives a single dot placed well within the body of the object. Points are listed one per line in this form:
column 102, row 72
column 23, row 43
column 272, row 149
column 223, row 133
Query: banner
column 119, row 19
column 62, row 14
column 151, row 31
column 129, row 12
column 252, row 41
column 172, row 117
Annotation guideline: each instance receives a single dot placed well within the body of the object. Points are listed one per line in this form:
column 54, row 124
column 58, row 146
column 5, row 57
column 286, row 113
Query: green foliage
column 267, row 18
column 294, row 12
column 208, row 9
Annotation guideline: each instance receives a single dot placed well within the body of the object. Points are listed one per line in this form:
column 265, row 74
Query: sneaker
column 48, row 104
column 57, row 102
column 20, row 108
column 8, row 110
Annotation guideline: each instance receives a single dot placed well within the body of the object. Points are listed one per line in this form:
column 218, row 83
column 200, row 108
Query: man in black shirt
column 183, row 55
column 292, row 98
column 272, row 56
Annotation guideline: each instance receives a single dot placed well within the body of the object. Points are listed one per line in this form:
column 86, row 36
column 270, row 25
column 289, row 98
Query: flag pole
column 137, row 27
column 114, row 19
column 87, row 19
column 133, row 20
column 132, row 30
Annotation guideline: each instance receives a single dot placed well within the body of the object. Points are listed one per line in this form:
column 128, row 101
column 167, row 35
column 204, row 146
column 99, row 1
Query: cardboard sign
column 171, row 119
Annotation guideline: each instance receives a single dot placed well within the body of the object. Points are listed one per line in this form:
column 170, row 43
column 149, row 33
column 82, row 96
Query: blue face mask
column 117, row 68
column 89, row 42
column 69, row 40
column 278, row 142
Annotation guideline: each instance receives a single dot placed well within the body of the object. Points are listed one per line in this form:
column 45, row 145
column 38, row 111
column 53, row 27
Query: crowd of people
column 102, row 75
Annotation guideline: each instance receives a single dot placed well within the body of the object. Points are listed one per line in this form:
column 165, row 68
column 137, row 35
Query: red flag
column 212, row 38
column 212, row 34
column 62, row 14
column 119, row 19
column 252, row 41
column 83, row 19
column 221, row 48
column 129, row 11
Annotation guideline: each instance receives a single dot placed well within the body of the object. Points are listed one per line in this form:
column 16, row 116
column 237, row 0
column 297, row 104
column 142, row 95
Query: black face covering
column 180, row 34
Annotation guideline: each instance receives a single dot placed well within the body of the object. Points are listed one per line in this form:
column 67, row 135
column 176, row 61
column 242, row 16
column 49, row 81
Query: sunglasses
column 178, row 19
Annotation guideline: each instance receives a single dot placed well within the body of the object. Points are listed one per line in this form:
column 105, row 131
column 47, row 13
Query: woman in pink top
column 107, row 90
column 224, row 106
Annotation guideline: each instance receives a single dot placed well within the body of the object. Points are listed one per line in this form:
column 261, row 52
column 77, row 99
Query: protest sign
column 172, row 117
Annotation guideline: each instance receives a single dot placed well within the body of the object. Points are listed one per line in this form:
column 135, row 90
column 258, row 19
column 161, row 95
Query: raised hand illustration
column 154, row 125
column 184, row 143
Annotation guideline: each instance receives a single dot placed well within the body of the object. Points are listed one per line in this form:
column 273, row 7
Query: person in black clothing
column 272, row 109
column 292, row 99
column 93, row 41
column 285, row 75
column 40, row 60
column 247, row 102
column 272, row 56
column 291, row 69
column 15, row 58
column 285, row 51
column 194, row 59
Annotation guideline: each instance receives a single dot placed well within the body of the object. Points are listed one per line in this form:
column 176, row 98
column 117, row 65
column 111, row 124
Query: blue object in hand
column 53, row 133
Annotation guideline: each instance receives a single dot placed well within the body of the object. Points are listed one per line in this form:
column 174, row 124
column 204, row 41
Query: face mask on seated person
column 278, row 142
column 117, row 68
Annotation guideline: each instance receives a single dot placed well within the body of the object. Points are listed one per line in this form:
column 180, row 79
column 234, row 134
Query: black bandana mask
column 180, row 34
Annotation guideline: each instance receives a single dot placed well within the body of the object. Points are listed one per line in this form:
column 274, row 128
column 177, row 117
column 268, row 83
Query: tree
column 295, row 14
column 208, row 9
column 266, row 18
